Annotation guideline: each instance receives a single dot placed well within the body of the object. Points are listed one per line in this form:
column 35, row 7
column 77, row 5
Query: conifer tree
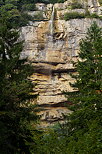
column 84, row 125
column 15, row 94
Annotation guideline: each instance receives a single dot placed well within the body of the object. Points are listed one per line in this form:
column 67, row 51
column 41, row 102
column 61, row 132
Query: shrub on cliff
column 76, row 15
column 73, row 15
column 38, row 16
column 76, row 5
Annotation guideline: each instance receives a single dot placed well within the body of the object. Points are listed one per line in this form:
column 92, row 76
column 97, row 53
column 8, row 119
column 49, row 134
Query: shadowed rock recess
column 51, row 44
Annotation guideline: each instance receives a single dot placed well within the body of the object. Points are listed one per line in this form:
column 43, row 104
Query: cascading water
column 51, row 24
column 52, row 21
column 52, row 43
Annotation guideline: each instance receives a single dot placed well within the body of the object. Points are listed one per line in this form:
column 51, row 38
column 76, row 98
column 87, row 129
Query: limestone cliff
column 51, row 45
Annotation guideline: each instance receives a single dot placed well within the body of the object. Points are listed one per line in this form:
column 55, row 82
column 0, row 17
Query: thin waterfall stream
column 51, row 24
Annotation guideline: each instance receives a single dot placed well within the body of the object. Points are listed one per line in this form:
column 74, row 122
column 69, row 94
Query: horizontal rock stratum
column 51, row 53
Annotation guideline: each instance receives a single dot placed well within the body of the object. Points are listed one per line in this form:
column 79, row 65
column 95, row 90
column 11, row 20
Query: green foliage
column 76, row 5
column 15, row 94
column 10, row 13
column 38, row 16
column 14, row 2
column 20, row 3
column 56, row 1
column 28, row 7
column 13, row 16
column 73, row 15
column 100, row 1
column 84, row 124
column 50, row 143
column 50, row 1
column 92, row 15
column 24, row 20
column 76, row 15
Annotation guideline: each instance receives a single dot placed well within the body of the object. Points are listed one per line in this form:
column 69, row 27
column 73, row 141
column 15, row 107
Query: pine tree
column 84, row 125
column 15, row 94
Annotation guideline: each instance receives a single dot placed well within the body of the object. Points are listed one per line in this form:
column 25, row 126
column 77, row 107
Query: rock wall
column 51, row 54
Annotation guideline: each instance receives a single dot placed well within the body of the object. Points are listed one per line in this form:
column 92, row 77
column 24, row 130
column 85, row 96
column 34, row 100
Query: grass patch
column 76, row 5
column 76, row 15
column 73, row 15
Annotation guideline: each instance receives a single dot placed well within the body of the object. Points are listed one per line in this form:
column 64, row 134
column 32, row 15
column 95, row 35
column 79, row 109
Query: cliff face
column 51, row 45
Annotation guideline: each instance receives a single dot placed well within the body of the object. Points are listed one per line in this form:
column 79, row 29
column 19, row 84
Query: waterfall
column 51, row 23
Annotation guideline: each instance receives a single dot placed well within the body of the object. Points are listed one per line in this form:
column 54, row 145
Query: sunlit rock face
column 51, row 45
